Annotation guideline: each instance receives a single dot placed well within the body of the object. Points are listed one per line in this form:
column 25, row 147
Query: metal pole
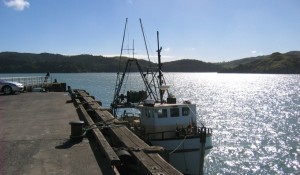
column 118, row 78
column 145, row 40
column 123, row 38
column 202, row 149
column 159, row 68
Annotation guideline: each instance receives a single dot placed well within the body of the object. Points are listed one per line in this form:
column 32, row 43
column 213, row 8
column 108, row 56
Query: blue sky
column 207, row 30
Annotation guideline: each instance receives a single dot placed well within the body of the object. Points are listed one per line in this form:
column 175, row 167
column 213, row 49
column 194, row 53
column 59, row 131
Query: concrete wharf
column 35, row 138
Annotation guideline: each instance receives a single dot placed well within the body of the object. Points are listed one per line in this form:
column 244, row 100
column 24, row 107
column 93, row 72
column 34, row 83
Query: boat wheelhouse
column 158, row 121
column 174, row 127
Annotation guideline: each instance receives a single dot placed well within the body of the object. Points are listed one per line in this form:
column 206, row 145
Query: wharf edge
column 116, row 140
column 35, row 138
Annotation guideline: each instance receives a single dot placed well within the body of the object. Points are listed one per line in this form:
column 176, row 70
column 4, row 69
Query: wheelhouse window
column 185, row 111
column 147, row 113
column 162, row 113
column 174, row 112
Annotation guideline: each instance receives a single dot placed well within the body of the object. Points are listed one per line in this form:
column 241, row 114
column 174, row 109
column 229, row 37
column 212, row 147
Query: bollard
column 76, row 129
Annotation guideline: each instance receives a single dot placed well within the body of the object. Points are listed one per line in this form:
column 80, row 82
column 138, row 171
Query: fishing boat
column 162, row 120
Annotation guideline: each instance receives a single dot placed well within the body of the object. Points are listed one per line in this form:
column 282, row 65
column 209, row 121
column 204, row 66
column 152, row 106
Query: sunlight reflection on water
column 255, row 119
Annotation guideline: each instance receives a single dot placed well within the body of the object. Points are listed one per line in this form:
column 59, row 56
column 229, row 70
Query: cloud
column 253, row 51
column 19, row 5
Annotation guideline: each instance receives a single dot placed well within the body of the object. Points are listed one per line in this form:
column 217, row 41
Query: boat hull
column 184, row 153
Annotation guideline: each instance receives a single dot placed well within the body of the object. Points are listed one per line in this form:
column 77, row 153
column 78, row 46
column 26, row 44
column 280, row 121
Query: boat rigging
column 165, row 123
column 151, row 80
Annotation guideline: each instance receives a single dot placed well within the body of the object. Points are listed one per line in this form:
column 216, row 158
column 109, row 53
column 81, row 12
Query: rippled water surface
column 255, row 117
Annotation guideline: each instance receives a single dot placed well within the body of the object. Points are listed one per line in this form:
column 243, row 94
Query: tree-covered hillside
column 190, row 66
column 13, row 62
column 288, row 63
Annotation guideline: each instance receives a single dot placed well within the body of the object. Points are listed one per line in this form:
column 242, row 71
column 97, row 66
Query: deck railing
column 29, row 81
column 178, row 133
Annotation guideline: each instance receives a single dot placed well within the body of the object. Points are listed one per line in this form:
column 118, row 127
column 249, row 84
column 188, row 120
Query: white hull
column 186, row 158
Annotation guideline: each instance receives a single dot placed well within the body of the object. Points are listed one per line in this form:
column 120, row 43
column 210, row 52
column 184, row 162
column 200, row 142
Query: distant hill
column 191, row 66
column 14, row 62
column 235, row 63
column 288, row 63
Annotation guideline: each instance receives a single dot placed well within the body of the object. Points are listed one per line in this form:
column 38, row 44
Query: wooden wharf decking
column 145, row 158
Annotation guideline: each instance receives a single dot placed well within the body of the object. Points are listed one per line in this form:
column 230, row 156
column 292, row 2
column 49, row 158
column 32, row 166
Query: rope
column 101, row 125
column 188, row 106
column 178, row 145
column 193, row 113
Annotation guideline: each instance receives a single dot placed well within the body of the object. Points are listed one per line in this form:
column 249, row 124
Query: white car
column 10, row 87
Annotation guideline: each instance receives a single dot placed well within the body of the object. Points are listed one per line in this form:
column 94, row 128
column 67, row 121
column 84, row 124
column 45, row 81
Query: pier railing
column 29, row 81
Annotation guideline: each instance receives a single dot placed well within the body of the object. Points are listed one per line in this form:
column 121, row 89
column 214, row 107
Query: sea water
column 255, row 117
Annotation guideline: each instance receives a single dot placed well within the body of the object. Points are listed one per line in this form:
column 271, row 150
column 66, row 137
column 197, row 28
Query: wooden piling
column 105, row 146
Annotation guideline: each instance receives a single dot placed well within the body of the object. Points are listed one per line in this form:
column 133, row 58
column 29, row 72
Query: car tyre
column 7, row 90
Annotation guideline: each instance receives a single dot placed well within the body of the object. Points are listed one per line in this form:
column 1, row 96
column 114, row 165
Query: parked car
column 10, row 87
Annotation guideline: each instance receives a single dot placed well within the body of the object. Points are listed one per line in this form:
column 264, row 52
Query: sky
column 206, row 30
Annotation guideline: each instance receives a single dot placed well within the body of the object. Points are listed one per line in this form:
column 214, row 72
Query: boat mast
column 145, row 41
column 159, row 68
column 117, row 87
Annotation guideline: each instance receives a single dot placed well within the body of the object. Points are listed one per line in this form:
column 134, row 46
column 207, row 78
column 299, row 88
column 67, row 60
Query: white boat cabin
column 160, row 121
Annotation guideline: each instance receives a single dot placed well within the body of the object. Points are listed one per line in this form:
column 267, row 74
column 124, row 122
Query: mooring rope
column 102, row 125
column 178, row 145
column 192, row 111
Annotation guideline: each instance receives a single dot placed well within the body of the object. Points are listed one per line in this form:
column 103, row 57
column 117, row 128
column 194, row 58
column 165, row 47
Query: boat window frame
column 187, row 110
column 172, row 112
column 148, row 113
column 163, row 114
